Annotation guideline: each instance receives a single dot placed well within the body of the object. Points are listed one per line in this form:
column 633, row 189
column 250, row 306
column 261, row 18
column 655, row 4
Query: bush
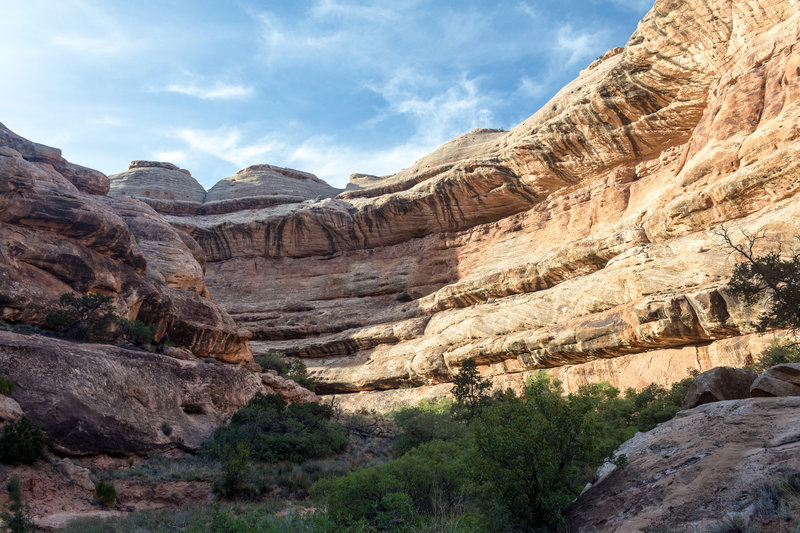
column 397, row 494
column 471, row 392
column 423, row 425
column 534, row 452
column 21, row 442
column 105, row 493
column 17, row 517
column 90, row 317
column 778, row 353
column 769, row 276
column 236, row 470
column 292, row 368
column 6, row 385
column 275, row 432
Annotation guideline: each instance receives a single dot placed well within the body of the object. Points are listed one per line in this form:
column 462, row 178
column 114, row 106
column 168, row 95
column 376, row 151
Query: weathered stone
column 694, row 470
column 287, row 388
column 76, row 474
column 719, row 383
column 163, row 186
column 586, row 233
column 780, row 380
column 91, row 398
column 9, row 409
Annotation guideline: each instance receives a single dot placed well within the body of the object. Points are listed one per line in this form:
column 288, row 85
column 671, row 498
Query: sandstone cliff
column 59, row 233
column 582, row 239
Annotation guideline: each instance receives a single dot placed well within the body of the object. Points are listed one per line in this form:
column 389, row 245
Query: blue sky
column 328, row 86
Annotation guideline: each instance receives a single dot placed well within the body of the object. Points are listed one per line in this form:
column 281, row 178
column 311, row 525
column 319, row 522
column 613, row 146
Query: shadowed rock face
column 59, row 234
column 584, row 234
column 91, row 398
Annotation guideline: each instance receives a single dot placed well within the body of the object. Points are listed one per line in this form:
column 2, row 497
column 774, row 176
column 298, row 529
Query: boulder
column 717, row 384
column 92, row 398
column 780, row 380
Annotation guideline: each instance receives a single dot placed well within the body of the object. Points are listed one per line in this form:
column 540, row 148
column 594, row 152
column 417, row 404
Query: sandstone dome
column 163, row 186
column 265, row 185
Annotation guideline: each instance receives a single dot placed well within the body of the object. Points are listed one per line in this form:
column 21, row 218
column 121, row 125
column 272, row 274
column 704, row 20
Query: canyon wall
column 585, row 240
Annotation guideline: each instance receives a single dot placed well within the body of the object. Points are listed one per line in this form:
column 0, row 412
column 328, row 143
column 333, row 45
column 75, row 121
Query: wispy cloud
column 229, row 145
column 576, row 45
column 217, row 91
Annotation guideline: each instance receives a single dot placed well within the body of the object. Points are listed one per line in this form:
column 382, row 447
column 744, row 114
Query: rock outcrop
column 173, row 191
column 780, row 380
column 718, row 384
column 92, row 398
column 584, row 236
column 695, row 470
column 59, row 234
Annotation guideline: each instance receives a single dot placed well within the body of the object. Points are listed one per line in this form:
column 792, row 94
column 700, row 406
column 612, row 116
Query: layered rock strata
column 587, row 235
column 60, row 234
column 173, row 191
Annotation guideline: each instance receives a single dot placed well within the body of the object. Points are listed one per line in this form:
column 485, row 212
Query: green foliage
column 534, row 452
column 135, row 332
column 779, row 352
column 6, row 385
column 290, row 367
column 87, row 317
column 21, row 442
column 769, row 275
column 90, row 317
column 17, row 517
column 470, row 391
column 420, row 425
column 275, row 432
column 236, row 470
column 396, row 495
column 105, row 493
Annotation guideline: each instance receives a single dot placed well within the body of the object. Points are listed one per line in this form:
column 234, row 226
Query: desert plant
column 135, row 332
column 6, row 385
column 17, row 517
column 769, row 275
column 236, row 469
column 105, row 493
column 277, row 432
column 423, row 425
column 289, row 367
column 779, row 352
column 86, row 317
column 21, row 442
column 471, row 392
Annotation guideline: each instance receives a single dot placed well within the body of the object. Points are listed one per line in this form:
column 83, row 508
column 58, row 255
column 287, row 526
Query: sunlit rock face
column 583, row 240
column 60, row 234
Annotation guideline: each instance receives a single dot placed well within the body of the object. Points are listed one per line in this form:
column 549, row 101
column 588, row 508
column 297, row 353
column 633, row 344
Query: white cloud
column 526, row 8
column 530, row 88
column 575, row 45
column 228, row 144
column 217, row 91
column 178, row 157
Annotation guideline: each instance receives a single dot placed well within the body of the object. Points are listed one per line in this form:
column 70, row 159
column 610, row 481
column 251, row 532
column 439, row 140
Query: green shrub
column 105, row 493
column 135, row 332
column 534, row 452
column 275, row 432
column 236, row 469
column 17, row 517
column 420, row 425
column 397, row 494
column 289, row 367
column 470, row 391
column 6, row 385
column 21, row 442
column 779, row 352
column 87, row 317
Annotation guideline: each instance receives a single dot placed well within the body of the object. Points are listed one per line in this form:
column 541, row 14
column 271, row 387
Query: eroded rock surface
column 59, row 234
column 696, row 469
column 718, row 384
column 780, row 380
column 584, row 236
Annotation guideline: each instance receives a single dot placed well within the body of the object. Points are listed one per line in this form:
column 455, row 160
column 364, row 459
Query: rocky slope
column 696, row 471
column 59, row 233
column 582, row 239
